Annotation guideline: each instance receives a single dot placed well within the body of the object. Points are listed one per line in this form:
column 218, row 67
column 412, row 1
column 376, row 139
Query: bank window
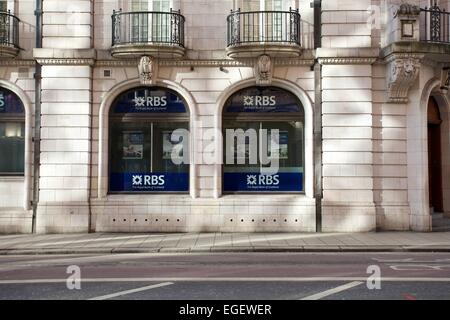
column 12, row 134
column 263, row 132
column 149, row 142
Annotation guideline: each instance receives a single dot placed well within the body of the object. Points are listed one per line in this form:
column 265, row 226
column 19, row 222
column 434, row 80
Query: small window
column 12, row 134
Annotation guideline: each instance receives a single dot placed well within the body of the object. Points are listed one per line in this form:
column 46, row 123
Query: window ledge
column 12, row 178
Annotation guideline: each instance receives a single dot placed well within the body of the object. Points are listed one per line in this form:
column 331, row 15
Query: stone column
column 67, row 60
column 347, row 116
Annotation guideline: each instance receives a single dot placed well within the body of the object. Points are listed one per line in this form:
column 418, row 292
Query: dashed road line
column 330, row 292
column 123, row 293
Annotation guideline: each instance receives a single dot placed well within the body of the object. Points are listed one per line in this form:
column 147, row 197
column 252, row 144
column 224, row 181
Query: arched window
column 12, row 134
column 149, row 142
column 263, row 130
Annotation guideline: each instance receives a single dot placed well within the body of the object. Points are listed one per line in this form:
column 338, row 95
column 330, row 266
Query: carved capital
column 264, row 70
column 403, row 71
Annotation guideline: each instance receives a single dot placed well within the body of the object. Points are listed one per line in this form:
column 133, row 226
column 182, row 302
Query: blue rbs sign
column 10, row 102
column 149, row 182
column 149, row 100
column 255, row 181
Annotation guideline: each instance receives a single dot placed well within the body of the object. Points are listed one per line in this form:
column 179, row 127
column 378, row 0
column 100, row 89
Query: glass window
column 263, row 132
column 148, row 27
column 4, row 27
column 271, row 24
column 149, row 142
column 12, row 134
column 12, row 146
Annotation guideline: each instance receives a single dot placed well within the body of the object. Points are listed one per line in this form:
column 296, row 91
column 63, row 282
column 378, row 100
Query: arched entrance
column 15, row 138
column 434, row 157
column 264, row 142
column 149, row 142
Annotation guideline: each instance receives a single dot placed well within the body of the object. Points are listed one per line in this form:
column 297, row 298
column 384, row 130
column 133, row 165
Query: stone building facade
column 91, row 93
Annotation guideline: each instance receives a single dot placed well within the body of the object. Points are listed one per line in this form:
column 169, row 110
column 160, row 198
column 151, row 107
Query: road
column 234, row 276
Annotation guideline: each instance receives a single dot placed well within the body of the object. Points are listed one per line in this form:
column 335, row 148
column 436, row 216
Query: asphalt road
column 243, row 276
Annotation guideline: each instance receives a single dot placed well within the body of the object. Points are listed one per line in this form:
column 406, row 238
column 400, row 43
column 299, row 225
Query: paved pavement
column 227, row 276
column 103, row 243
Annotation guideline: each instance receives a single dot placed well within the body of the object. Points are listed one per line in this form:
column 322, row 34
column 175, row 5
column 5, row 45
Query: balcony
column 251, row 34
column 9, row 35
column 435, row 22
column 156, row 34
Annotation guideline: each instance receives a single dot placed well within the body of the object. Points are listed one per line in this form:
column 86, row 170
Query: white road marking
column 330, row 292
column 122, row 293
column 410, row 260
column 230, row 279
column 418, row 267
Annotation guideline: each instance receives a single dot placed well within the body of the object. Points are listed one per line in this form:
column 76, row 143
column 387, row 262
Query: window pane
column 290, row 144
column 147, row 157
column 12, row 147
column 168, row 151
column 130, row 147
column 240, row 152
column 283, row 155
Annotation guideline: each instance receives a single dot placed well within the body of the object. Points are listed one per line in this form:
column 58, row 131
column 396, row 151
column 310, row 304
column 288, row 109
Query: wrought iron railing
column 263, row 26
column 9, row 30
column 148, row 28
column 435, row 25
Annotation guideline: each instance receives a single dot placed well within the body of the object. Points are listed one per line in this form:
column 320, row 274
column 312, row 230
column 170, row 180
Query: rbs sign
column 283, row 181
column 150, row 182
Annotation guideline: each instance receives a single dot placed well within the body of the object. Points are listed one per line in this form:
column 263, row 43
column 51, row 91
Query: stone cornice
column 204, row 63
column 347, row 55
column 46, row 56
column 17, row 63
column 64, row 62
column 349, row 60
column 434, row 51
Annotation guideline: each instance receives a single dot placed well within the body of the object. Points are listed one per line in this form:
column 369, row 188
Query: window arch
column 12, row 134
column 149, row 142
column 264, row 144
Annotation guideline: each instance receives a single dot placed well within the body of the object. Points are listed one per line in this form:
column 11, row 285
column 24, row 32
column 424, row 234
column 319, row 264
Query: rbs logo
column 260, row 101
column 148, row 180
column 263, row 180
column 149, row 101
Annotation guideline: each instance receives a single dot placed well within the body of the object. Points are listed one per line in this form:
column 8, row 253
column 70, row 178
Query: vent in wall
column 107, row 73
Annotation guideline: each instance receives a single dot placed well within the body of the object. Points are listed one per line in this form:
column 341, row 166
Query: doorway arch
column 434, row 143
column 107, row 102
column 307, row 104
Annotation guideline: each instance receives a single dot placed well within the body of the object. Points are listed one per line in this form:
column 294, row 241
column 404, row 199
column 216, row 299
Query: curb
column 242, row 249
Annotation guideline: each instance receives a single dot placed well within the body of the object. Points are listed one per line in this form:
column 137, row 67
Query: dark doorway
column 434, row 157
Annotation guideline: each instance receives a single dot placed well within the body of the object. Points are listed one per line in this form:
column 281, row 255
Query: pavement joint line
column 228, row 279
column 332, row 291
column 123, row 293
column 310, row 248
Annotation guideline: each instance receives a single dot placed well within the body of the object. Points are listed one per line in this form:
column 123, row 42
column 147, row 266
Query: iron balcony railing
column 263, row 27
column 435, row 24
column 9, row 30
column 147, row 28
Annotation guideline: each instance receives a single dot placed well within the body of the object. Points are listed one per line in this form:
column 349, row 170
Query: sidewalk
column 102, row 243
